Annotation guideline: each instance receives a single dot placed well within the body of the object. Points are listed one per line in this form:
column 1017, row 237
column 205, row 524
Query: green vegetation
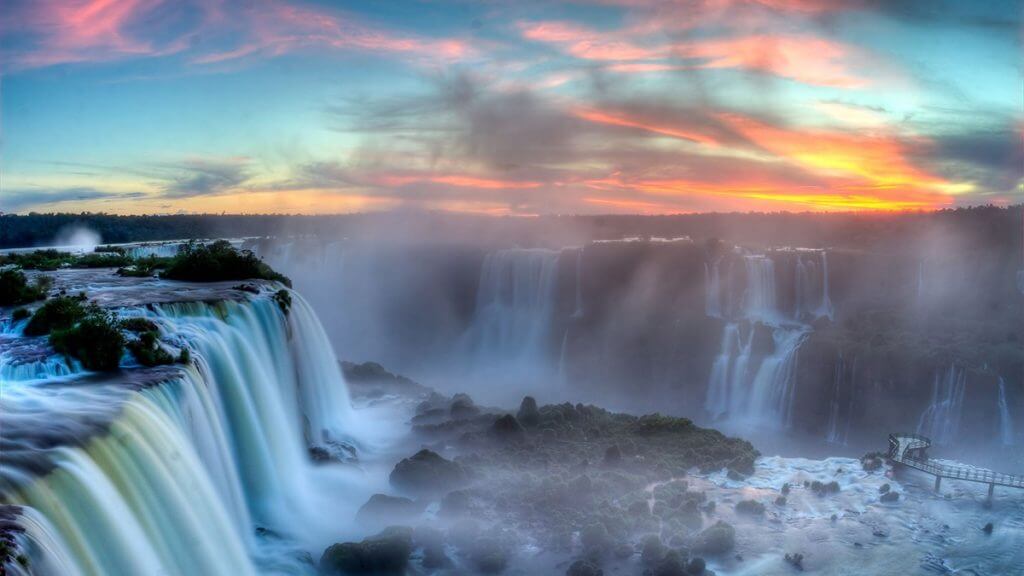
column 219, row 261
column 139, row 325
column 283, row 299
column 20, row 314
column 15, row 290
column 145, row 267
column 147, row 351
column 53, row 259
column 96, row 341
column 57, row 314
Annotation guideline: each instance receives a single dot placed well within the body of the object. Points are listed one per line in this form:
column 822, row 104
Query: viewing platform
column 912, row 450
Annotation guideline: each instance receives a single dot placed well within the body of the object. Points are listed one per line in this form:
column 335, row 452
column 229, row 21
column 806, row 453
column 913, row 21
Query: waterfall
column 578, row 311
column 940, row 421
column 825, row 310
column 1005, row 420
column 187, row 468
column 839, row 420
column 759, row 299
column 729, row 374
column 713, row 289
column 774, row 386
column 514, row 310
column 811, row 286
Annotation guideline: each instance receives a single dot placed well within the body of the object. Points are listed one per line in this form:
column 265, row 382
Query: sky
column 514, row 107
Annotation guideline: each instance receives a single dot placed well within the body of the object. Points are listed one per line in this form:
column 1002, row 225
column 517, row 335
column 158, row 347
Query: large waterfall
column 940, row 421
column 512, row 325
column 199, row 470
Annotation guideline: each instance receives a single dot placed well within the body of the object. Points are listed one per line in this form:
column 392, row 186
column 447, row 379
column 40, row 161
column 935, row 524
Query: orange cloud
column 615, row 119
column 459, row 180
column 804, row 59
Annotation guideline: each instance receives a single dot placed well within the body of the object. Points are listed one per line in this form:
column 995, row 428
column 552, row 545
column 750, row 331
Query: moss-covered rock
column 427, row 472
column 751, row 507
column 383, row 509
column 715, row 540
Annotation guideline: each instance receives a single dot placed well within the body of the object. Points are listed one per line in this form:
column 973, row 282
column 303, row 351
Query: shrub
column 749, row 507
column 147, row 351
column 144, row 267
column 15, row 290
column 219, row 261
column 184, row 357
column 20, row 314
column 283, row 299
column 139, row 325
column 57, row 314
column 95, row 341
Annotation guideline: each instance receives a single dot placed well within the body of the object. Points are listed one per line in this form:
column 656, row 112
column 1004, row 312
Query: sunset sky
column 510, row 107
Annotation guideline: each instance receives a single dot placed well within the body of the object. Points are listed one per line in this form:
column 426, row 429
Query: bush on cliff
column 57, row 314
column 147, row 351
column 96, row 341
column 219, row 261
column 15, row 289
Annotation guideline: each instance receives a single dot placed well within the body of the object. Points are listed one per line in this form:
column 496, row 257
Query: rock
column 386, row 553
column 884, row 488
column 613, row 455
column 696, row 566
column 872, row 461
column 653, row 550
column 890, row 497
column 672, row 564
column 462, row 407
column 427, row 472
column 752, row 507
column 528, row 414
column 432, row 542
column 489, row 556
column 780, row 501
column 796, row 560
column 714, row 540
column 583, row 568
column 786, row 489
column 507, row 428
column 823, row 489
column 595, row 539
column 735, row 475
column 988, row 528
column 459, row 503
column 384, row 509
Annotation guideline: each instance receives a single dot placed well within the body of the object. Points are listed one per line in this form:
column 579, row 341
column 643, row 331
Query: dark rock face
column 507, row 428
column 890, row 497
column 384, row 509
column 427, row 472
column 752, row 507
column 583, row 568
column 385, row 554
column 462, row 407
column 528, row 414
column 715, row 540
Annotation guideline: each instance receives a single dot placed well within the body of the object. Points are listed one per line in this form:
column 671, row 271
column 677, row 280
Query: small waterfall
column 839, row 419
column 713, row 289
column 759, row 299
column 578, row 311
column 1005, row 420
column 801, row 286
column 727, row 384
column 825, row 310
column 774, row 386
column 940, row 421
column 514, row 311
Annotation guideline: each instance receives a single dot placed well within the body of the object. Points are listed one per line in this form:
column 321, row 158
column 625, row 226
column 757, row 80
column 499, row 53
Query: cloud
column 16, row 200
column 199, row 177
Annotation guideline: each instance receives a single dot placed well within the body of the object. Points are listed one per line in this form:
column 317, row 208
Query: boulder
column 488, row 555
column 890, row 497
column 386, row 553
column 583, row 568
column 672, row 564
column 507, row 428
column 427, row 472
column 752, row 507
column 528, row 414
column 715, row 540
column 462, row 407
column 384, row 509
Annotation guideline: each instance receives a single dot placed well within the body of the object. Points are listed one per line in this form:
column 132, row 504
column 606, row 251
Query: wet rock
column 752, row 507
column 872, row 461
column 432, row 542
column 672, row 564
column 462, row 407
column 460, row 503
column 696, row 566
column 427, row 472
column 796, row 560
column 890, row 497
column 583, row 568
column 714, row 540
column 786, row 489
column 507, row 429
column 823, row 489
column 884, row 488
column 489, row 556
column 613, row 455
column 528, row 414
column 652, row 550
column 384, row 509
column 735, row 475
column 988, row 528
column 386, row 553
column 780, row 501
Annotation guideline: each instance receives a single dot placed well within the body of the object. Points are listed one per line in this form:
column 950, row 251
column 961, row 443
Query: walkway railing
column 904, row 448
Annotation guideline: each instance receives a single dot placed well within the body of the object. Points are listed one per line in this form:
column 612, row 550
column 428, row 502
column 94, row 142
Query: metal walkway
column 912, row 450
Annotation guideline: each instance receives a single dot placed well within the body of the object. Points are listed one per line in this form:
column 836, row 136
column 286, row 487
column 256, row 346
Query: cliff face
column 837, row 344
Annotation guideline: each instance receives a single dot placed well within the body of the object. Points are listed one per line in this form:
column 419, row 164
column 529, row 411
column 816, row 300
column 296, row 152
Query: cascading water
column 713, row 289
column 578, row 310
column 839, row 418
column 825, row 310
column 759, row 299
column 940, row 421
column 1005, row 420
column 774, row 386
column 189, row 466
column 811, row 286
column 515, row 305
column 729, row 374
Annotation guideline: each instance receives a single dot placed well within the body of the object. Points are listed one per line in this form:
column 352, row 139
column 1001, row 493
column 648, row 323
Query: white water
column 713, row 289
column 1005, row 420
column 759, row 299
column 190, row 468
column 940, row 421
column 511, row 328
column 811, row 285
column 839, row 418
